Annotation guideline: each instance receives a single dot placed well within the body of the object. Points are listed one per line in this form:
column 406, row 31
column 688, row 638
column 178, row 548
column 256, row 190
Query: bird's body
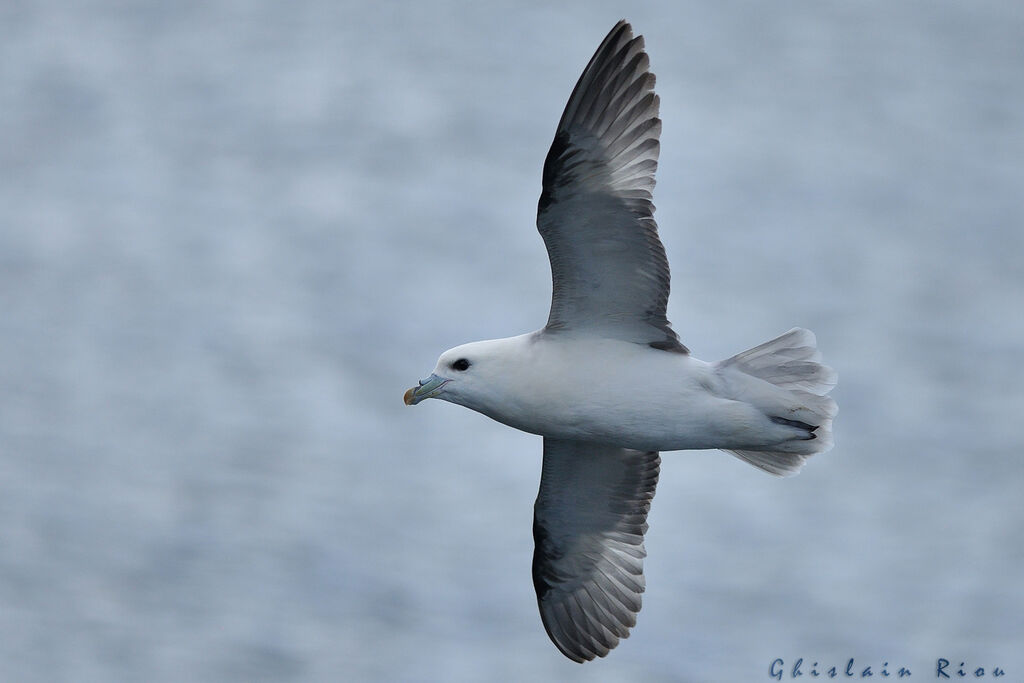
column 607, row 382
column 634, row 396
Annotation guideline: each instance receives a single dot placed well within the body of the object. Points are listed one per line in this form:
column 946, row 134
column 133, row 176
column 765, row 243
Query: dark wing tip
column 618, row 62
column 607, row 138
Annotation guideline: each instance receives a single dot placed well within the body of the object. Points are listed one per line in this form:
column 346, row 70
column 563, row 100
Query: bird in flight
column 607, row 382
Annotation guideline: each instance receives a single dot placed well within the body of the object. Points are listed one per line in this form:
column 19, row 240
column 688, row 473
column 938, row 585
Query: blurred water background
column 232, row 234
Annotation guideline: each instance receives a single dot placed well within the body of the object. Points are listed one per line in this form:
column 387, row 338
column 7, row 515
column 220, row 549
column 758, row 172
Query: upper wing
column 588, row 527
column 608, row 267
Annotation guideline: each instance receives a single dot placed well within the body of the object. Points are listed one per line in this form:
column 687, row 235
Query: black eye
column 461, row 365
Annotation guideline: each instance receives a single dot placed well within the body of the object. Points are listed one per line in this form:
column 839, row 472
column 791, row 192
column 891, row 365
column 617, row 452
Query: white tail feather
column 790, row 362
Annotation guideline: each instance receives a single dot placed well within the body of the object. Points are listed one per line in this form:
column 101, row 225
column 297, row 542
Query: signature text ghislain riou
column 944, row 669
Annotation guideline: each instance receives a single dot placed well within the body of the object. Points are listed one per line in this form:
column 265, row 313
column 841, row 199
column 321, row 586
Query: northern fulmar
column 607, row 382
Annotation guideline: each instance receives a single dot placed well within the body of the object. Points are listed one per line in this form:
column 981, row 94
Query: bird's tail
column 796, row 398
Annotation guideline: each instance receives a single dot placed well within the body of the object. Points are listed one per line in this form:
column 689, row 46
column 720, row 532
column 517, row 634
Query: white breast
column 608, row 391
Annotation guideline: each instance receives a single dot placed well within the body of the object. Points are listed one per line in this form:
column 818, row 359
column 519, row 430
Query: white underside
column 630, row 395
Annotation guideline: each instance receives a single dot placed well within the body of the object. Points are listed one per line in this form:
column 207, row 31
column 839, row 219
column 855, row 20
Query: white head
column 474, row 375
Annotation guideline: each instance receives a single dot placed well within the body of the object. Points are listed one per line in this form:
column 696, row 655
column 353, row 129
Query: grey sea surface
column 233, row 233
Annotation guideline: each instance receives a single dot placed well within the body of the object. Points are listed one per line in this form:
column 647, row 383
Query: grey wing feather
column 589, row 523
column 609, row 272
